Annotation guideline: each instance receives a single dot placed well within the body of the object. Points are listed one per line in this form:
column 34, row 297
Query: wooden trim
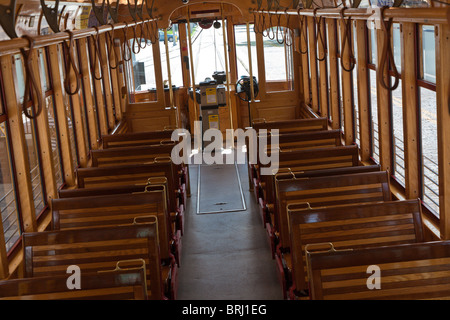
column 20, row 152
column 323, row 73
column 161, row 96
column 4, row 266
column 443, row 118
column 313, row 64
column 45, row 145
column 334, row 75
column 384, row 111
column 305, row 65
column 107, row 82
column 261, row 66
column 347, row 88
column 88, row 94
column 411, row 118
column 115, row 86
column 98, row 94
column 64, row 135
column 363, row 91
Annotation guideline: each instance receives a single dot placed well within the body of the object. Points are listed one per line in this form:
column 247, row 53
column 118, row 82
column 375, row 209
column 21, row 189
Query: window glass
column 428, row 54
column 31, row 141
column 397, row 124
column 240, row 33
column 278, row 60
column 429, row 148
column 374, row 114
column 8, row 204
column 143, row 69
column 176, row 70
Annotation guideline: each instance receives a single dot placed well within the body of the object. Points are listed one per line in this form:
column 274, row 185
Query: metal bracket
column 8, row 18
column 51, row 15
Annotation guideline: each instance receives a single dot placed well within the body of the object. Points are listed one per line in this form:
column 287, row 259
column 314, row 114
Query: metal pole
column 170, row 77
column 225, row 49
column 250, row 64
column 192, row 65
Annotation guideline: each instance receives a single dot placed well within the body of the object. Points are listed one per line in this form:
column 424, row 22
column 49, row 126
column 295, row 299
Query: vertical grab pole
column 192, row 65
column 225, row 49
column 250, row 64
column 252, row 85
column 170, row 77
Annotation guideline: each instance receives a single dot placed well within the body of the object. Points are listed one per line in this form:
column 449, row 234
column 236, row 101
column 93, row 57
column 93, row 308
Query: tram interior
column 311, row 137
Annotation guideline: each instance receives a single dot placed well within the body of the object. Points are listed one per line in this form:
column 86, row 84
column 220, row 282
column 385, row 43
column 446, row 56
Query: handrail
column 438, row 15
column 13, row 46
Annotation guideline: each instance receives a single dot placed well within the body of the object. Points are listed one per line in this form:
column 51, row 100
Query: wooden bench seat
column 301, row 192
column 136, row 139
column 50, row 253
column 117, row 284
column 270, row 211
column 291, row 126
column 142, row 155
column 129, row 155
column 306, row 160
column 134, row 174
column 351, row 227
column 284, row 127
column 176, row 218
column 296, row 142
column 113, row 210
column 408, row 272
column 326, row 191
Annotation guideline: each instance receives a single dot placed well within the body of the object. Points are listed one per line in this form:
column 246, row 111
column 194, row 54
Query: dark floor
column 226, row 256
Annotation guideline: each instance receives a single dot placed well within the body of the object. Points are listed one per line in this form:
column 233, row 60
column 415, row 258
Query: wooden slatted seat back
column 135, row 139
column 309, row 159
column 130, row 155
column 306, row 140
column 327, row 191
column 352, row 227
column 120, row 284
column 50, row 253
column 291, row 126
column 152, row 184
column 113, row 210
column 407, row 272
column 132, row 174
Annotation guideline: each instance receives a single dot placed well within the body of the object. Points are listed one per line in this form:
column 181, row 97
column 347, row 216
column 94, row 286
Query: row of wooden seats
column 329, row 200
column 406, row 272
column 116, row 284
column 118, row 213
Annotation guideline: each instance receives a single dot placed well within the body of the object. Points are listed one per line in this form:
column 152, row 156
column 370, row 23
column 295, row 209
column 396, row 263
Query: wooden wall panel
column 20, row 152
column 363, row 90
column 443, row 116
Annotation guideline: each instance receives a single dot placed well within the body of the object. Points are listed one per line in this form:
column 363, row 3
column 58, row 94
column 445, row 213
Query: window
column 240, row 34
column 52, row 120
column 8, row 201
column 30, row 130
column 428, row 112
column 278, row 60
column 355, row 87
column 176, row 70
column 143, row 69
column 69, row 112
column 374, row 114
